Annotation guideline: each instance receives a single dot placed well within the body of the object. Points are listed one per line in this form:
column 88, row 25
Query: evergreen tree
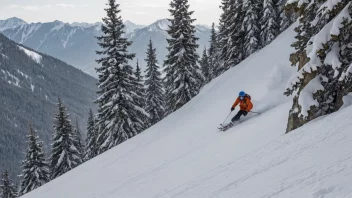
column 119, row 112
column 35, row 169
column 139, row 86
column 346, row 54
column 269, row 25
column 251, row 26
column 138, row 73
column 65, row 153
column 285, row 21
column 213, row 53
column 78, row 136
column 183, row 77
column 286, row 15
column 91, row 149
column 235, row 53
column 155, row 104
column 7, row 188
column 204, row 64
column 223, row 36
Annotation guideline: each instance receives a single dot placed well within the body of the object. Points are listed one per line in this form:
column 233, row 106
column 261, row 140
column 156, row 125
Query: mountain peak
column 16, row 19
column 128, row 22
column 131, row 27
column 162, row 24
column 11, row 23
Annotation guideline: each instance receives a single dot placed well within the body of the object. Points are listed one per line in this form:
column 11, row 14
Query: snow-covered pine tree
column 140, row 89
column 91, row 149
column 346, row 54
column 140, row 95
column 7, row 188
column 155, row 97
column 138, row 73
column 78, row 136
column 251, row 26
column 35, row 168
column 222, row 36
column 205, row 67
column 286, row 15
column 269, row 25
column 285, row 21
column 234, row 54
column 213, row 53
column 183, row 75
column 318, row 84
column 65, row 154
column 120, row 116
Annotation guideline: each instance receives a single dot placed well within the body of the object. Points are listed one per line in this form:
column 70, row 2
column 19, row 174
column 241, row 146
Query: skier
column 244, row 100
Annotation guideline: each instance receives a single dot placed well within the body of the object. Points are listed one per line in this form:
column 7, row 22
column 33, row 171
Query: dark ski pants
column 238, row 115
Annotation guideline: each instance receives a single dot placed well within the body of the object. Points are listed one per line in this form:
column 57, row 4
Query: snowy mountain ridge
column 163, row 25
column 76, row 44
column 130, row 27
column 11, row 23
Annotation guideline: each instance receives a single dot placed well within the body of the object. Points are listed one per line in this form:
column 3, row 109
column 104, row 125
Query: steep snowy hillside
column 30, row 83
column 186, row 156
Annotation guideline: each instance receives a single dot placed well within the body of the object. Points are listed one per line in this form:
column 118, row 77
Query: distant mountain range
column 76, row 44
column 30, row 83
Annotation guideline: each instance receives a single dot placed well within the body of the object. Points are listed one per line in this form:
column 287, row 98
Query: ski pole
column 227, row 117
column 255, row 112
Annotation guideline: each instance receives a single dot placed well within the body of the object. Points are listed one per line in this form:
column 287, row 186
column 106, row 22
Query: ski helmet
column 242, row 93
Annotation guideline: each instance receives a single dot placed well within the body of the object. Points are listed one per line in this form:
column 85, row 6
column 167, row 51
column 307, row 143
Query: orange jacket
column 245, row 105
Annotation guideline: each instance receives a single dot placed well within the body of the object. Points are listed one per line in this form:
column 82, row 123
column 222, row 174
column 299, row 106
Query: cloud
column 136, row 12
column 48, row 6
column 29, row 7
column 65, row 5
column 143, row 5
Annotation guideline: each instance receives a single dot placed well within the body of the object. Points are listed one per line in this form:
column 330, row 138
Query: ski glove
column 245, row 113
column 232, row 108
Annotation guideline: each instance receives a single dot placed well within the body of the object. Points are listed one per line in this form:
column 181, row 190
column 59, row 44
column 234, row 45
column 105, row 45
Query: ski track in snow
column 185, row 156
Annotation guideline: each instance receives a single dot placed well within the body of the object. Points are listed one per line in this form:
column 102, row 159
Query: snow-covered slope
column 186, row 156
column 35, row 56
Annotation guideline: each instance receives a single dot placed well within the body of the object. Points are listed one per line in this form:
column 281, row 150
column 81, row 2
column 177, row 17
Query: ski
column 226, row 127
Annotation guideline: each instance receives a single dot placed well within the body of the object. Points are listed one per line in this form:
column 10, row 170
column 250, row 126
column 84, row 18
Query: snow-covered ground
column 186, row 156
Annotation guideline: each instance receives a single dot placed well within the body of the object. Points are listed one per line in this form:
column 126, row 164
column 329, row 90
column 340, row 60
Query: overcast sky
column 138, row 11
